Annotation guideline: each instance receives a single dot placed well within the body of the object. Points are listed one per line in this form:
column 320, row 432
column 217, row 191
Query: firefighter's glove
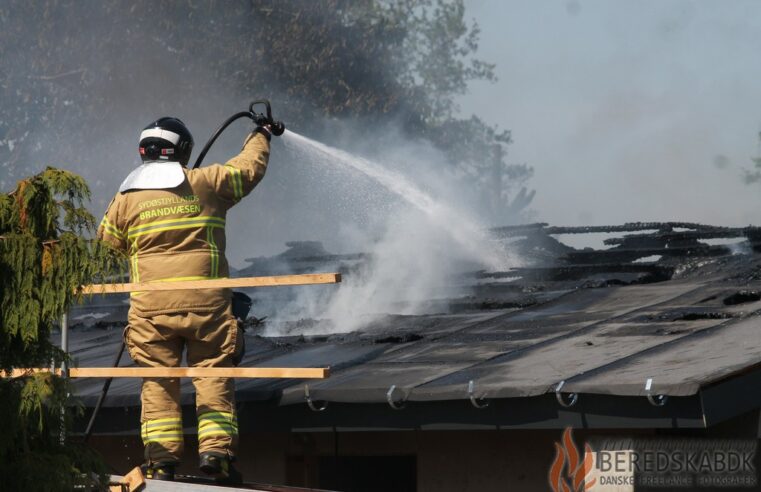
column 265, row 130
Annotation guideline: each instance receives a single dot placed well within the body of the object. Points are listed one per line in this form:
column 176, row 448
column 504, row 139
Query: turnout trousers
column 211, row 340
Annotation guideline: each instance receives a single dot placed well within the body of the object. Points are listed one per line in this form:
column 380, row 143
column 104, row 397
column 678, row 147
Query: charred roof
column 658, row 327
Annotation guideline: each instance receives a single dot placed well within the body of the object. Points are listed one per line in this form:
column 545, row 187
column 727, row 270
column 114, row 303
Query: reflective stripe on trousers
column 161, row 430
column 213, row 424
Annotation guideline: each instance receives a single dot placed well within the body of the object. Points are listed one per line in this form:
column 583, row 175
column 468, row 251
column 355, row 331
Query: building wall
column 446, row 461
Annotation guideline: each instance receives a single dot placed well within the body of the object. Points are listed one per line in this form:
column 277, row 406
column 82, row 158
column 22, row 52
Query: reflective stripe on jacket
column 179, row 233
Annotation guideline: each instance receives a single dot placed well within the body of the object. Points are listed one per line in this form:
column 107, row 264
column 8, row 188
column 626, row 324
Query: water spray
column 464, row 230
column 421, row 245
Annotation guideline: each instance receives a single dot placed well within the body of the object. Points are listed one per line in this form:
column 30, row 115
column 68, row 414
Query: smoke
column 76, row 95
column 419, row 231
column 84, row 100
column 411, row 264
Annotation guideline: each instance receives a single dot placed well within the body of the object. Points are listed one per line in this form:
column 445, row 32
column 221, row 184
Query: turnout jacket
column 179, row 234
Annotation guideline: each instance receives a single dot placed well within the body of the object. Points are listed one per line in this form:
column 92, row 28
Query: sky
column 628, row 111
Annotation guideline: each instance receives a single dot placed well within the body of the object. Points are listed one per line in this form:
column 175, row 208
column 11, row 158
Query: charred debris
column 632, row 253
column 609, row 324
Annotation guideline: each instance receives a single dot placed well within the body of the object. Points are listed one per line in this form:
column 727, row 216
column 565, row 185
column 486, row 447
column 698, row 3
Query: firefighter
column 170, row 220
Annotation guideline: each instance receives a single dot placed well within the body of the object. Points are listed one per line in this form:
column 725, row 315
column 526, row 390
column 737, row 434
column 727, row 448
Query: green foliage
column 400, row 63
column 369, row 58
column 437, row 48
column 33, row 458
column 44, row 256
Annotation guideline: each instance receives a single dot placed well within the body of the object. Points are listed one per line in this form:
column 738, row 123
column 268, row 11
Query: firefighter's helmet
column 166, row 140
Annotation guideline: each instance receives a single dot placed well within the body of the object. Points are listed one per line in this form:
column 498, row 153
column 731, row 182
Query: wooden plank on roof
column 131, row 482
column 183, row 372
column 221, row 283
column 185, row 483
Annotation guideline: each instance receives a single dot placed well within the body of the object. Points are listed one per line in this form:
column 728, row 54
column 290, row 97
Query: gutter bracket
column 311, row 404
column 390, row 399
column 476, row 401
column 561, row 398
column 655, row 400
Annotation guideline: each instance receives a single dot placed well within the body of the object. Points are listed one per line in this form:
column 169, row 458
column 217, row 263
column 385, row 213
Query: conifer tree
column 46, row 252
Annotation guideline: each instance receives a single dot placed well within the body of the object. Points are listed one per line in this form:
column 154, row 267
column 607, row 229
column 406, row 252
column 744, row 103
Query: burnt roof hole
column 742, row 296
column 406, row 338
column 710, row 298
column 697, row 316
column 682, row 315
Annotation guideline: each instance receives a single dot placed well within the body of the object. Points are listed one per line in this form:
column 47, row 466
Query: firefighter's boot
column 159, row 471
column 220, row 467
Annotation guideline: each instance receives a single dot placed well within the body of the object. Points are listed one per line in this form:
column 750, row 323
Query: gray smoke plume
column 104, row 90
column 420, row 234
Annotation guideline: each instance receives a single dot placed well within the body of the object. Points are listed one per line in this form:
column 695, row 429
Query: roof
column 575, row 327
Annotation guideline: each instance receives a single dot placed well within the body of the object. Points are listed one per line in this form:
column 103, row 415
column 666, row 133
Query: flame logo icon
column 568, row 459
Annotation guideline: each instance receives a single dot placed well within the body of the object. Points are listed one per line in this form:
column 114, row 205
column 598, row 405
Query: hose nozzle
column 278, row 128
column 261, row 119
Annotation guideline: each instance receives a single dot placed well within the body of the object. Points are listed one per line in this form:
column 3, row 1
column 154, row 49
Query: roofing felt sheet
column 680, row 333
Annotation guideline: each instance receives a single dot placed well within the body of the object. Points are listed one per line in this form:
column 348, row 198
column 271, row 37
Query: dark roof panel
column 603, row 329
